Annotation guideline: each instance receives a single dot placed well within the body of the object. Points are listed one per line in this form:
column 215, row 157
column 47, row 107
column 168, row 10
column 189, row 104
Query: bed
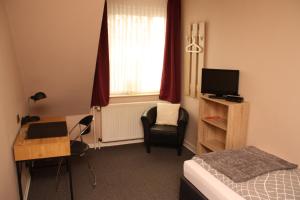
column 200, row 181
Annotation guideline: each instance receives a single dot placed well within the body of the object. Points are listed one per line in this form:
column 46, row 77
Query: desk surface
column 30, row 149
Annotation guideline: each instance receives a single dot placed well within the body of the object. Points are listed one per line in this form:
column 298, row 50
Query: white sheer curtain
column 136, row 32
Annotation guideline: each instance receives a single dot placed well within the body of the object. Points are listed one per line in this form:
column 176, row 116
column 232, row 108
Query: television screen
column 220, row 82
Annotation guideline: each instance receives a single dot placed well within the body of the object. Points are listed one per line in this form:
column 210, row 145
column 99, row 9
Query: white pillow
column 167, row 114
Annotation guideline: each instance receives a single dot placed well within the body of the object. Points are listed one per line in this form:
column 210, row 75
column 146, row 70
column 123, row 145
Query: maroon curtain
column 100, row 96
column 171, row 75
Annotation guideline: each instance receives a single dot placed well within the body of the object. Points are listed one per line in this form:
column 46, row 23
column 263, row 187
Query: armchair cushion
column 167, row 114
column 164, row 129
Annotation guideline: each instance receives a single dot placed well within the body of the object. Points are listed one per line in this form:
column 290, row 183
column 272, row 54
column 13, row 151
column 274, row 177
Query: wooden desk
column 32, row 149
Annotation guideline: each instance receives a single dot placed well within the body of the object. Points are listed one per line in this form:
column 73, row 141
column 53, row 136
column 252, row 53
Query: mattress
column 275, row 185
column 205, row 182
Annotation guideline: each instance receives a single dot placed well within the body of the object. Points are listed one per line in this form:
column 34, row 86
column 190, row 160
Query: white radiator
column 122, row 121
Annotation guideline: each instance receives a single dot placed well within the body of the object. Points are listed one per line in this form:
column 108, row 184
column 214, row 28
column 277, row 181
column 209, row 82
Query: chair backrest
column 87, row 122
column 152, row 114
column 84, row 127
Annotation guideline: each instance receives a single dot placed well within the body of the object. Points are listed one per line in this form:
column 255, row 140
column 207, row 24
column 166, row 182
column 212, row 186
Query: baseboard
column 117, row 143
column 108, row 144
column 189, row 146
column 26, row 191
column 94, row 146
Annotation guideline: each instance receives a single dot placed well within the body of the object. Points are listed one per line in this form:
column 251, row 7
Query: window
column 136, row 32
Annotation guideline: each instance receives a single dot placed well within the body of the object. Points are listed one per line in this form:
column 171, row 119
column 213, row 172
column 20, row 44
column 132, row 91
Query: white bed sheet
column 207, row 184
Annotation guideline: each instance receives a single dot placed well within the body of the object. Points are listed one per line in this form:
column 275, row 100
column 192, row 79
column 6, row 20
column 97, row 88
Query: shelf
column 219, row 101
column 216, row 121
column 222, row 101
column 214, row 145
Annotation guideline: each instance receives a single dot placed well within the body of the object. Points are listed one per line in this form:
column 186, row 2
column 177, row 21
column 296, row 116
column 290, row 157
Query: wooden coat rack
column 195, row 50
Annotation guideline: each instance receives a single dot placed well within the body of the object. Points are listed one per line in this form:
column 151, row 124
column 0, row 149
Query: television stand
column 215, row 96
column 222, row 125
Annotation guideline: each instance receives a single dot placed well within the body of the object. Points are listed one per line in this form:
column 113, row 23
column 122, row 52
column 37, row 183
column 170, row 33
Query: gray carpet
column 123, row 173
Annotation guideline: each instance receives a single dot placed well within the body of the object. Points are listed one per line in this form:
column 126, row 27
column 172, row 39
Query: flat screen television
column 220, row 82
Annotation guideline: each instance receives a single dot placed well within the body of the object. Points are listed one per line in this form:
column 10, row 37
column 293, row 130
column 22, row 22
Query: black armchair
column 164, row 134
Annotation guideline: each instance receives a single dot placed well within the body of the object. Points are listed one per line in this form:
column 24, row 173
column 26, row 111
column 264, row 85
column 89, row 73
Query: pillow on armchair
column 167, row 114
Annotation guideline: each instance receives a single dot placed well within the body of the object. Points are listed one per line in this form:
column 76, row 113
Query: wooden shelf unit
column 216, row 121
column 222, row 125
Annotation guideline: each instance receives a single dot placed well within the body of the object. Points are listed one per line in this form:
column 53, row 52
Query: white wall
column 11, row 103
column 261, row 38
column 56, row 44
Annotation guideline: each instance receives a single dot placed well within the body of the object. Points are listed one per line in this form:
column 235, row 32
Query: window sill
column 133, row 95
column 133, row 98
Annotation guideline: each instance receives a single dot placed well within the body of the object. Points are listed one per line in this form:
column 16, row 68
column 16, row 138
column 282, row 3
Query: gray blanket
column 276, row 185
column 246, row 163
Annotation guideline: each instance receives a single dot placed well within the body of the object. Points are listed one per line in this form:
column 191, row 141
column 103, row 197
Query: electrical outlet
column 18, row 118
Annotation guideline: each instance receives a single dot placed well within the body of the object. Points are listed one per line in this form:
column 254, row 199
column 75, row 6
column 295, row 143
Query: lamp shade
column 38, row 96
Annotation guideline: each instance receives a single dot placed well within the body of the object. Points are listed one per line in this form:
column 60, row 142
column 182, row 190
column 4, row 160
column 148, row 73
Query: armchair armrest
column 148, row 119
column 149, row 116
column 183, row 119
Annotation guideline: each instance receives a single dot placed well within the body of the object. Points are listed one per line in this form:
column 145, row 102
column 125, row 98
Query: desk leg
column 68, row 162
column 19, row 174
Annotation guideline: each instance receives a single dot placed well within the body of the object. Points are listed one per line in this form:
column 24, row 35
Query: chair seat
column 164, row 129
column 78, row 148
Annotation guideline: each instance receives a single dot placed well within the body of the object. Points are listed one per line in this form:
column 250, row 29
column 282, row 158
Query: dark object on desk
column 164, row 134
column 234, row 98
column 28, row 119
column 46, row 130
column 78, row 147
column 34, row 118
column 37, row 96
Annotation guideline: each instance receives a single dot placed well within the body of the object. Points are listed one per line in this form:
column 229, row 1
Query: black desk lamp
column 36, row 97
